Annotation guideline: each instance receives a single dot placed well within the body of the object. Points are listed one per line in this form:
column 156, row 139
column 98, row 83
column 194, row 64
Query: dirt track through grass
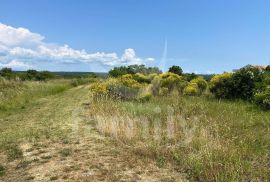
column 59, row 143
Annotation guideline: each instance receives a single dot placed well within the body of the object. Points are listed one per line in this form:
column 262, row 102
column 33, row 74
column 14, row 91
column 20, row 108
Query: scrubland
column 133, row 127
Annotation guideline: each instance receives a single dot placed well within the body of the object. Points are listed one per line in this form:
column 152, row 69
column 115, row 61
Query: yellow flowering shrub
column 172, row 81
column 99, row 88
column 200, row 82
column 191, row 89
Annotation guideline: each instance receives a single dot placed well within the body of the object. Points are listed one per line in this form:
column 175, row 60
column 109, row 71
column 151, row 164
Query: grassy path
column 55, row 140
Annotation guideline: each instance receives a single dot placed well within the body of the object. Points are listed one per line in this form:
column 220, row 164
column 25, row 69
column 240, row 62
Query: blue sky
column 202, row 36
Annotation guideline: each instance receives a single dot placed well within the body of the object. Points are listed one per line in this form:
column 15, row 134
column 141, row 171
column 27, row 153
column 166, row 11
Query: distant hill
column 67, row 74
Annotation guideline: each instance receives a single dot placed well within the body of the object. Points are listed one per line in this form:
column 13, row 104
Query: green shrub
column 190, row 76
column 263, row 98
column 141, row 78
column 36, row 76
column 244, row 82
column 240, row 85
column 65, row 152
column 123, row 87
column 221, row 85
column 128, row 81
column 7, row 73
column 133, row 69
column 176, row 70
column 171, row 81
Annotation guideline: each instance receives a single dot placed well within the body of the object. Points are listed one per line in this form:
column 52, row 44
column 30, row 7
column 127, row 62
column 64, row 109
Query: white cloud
column 16, row 64
column 22, row 45
column 129, row 57
column 150, row 59
column 11, row 36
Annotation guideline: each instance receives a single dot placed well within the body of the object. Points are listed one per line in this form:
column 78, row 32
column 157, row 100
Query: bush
column 36, row 76
column 122, row 92
column 267, row 68
column 133, row 69
column 192, row 89
column 244, row 82
column 98, row 89
column 144, row 97
column 128, row 81
column 190, row 76
column 171, row 81
column 176, row 70
column 118, row 71
column 124, row 87
column 141, row 78
column 201, row 83
column 263, row 98
column 7, row 73
column 221, row 85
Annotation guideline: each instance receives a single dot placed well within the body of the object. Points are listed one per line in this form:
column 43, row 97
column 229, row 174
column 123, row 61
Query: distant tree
column 31, row 74
column 7, row 73
column 176, row 69
column 190, row 76
column 35, row 75
column 118, row 71
column 133, row 69
column 267, row 68
column 44, row 75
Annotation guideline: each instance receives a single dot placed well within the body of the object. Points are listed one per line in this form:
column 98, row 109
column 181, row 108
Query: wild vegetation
column 137, row 124
column 172, row 119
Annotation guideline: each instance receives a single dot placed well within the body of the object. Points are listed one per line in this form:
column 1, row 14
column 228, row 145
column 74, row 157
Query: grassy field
column 55, row 130
column 52, row 138
column 207, row 139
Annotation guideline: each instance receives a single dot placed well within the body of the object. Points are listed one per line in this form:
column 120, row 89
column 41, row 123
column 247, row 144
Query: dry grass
column 53, row 139
column 204, row 138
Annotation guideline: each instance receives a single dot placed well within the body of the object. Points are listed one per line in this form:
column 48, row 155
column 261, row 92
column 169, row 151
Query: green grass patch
column 18, row 94
column 65, row 152
column 14, row 152
column 2, row 170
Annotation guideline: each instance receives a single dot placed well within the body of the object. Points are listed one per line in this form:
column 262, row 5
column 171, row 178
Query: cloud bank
column 21, row 48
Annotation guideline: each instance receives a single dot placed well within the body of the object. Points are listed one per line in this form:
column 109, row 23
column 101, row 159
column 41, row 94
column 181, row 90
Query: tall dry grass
column 209, row 140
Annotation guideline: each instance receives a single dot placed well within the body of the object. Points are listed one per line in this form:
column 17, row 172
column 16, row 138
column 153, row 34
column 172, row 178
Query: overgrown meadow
column 203, row 128
column 209, row 129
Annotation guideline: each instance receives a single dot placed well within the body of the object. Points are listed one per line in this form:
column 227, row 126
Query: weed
column 46, row 157
column 65, row 152
column 53, row 178
column 2, row 170
column 23, row 164
column 30, row 178
column 14, row 152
